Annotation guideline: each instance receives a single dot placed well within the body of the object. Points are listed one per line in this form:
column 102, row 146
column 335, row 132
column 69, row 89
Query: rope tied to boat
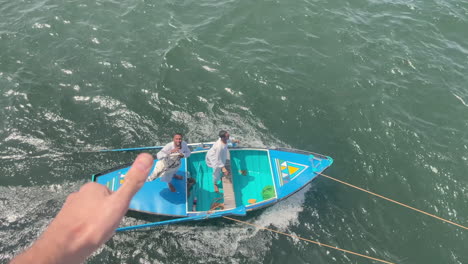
column 393, row 201
column 307, row 240
column 215, row 204
column 344, row 250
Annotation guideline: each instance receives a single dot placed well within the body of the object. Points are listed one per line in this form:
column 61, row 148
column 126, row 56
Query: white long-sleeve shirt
column 217, row 155
column 164, row 152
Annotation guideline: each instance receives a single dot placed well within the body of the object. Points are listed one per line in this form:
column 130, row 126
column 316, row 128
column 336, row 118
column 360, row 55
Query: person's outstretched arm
column 185, row 150
column 164, row 152
column 87, row 220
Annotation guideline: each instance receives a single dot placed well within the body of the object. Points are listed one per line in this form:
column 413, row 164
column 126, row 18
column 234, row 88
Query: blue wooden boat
column 259, row 178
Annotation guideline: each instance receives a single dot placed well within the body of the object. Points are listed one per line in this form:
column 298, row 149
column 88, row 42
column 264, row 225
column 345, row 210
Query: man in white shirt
column 169, row 161
column 216, row 157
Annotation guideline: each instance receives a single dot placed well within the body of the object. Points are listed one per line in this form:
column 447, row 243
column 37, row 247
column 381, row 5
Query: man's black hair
column 175, row 134
column 222, row 133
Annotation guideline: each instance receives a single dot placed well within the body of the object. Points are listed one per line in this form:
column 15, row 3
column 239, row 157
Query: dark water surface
column 381, row 86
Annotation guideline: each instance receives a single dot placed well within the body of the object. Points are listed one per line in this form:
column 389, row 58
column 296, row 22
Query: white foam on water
column 127, row 65
column 411, row 64
column 105, row 63
column 201, row 99
column 461, row 99
column 356, row 146
column 201, row 59
column 229, row 90
column 209, row 69
column 40, row 25
column 38, row 143
column 50, row 116
column 67, row 71
column 202, row 243
column 284, row 213
column 107, row 102
column 16, row 93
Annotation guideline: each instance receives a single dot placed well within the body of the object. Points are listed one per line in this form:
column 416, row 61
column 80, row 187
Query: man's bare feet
column 216, row 188
column 171, row 187
column 178, row 177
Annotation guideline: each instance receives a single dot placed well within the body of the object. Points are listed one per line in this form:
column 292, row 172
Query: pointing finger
column 135, row 178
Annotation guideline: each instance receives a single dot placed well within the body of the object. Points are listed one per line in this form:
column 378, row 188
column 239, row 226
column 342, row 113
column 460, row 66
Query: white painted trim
column 186, row 190
column 272, row 174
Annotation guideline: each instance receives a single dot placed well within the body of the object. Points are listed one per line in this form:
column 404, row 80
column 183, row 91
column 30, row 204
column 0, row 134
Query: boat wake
column 25, row 212
column 206, row 242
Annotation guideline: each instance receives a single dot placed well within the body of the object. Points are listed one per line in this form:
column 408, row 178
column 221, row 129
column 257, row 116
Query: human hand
column 225, row 171
column 87, row 220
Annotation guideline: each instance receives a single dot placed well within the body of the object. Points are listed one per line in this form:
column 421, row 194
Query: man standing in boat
column 216, row 157
column 169, row 161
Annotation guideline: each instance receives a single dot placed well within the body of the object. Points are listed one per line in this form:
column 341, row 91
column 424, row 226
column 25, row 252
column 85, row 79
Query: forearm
column 47, row 249
column 62, row 243
column 161, row 154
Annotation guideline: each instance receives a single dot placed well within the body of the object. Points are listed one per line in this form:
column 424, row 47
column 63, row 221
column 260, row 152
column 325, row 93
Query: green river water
column 380, row 86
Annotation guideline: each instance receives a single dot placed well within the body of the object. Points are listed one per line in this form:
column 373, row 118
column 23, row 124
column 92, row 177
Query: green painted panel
column 251, row 174
column 203, row 190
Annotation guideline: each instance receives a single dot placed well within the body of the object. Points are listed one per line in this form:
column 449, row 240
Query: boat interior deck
column 154, row 197
column 251, row 182
column 228, row 193
column 243, row 187
column 251, row 175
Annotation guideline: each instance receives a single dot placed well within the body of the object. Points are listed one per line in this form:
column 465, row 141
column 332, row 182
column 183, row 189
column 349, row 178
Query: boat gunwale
column 204, row 150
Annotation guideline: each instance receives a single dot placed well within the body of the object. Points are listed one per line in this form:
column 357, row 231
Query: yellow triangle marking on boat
column 292, row 170
column 283, row 167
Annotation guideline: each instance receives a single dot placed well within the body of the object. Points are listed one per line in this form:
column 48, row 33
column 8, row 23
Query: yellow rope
column 213, row 206
column 344, row 250
column 393, row 201
column 308, row 240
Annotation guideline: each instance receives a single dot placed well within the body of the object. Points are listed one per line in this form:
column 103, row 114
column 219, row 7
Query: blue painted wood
column 131, row 149
column 240, row 211
column 154, row 197
column 308, row 165
column 152, row 147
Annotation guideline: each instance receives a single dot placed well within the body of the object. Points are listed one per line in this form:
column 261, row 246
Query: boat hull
column 259, row 178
